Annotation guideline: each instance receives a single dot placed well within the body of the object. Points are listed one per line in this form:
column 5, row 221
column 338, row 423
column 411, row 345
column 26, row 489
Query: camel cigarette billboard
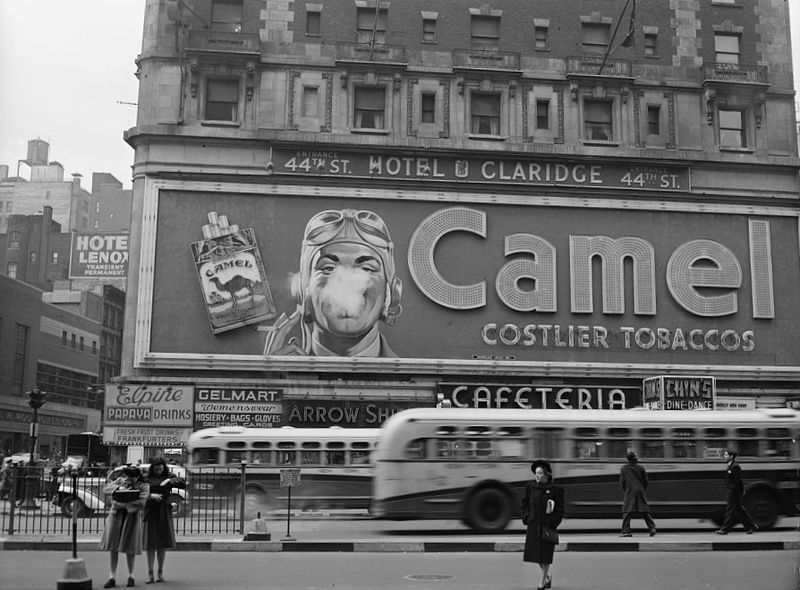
column 487, row 282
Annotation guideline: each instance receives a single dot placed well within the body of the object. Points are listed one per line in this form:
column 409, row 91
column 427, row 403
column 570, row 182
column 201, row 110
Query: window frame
column 477, row 121
column 227, row 24
column 364, row 90
column 306, row 101
column 488, row 39
column 539, row 103
column 727, row 131
column 654, row 119
column 541, row 43
column 650, row 44
column 231, row 83
column 591, row 124
column 363, row 33
column 718, row 53
column 591, row 46
column 429, row 33
column 429, row 109
column 313, row 17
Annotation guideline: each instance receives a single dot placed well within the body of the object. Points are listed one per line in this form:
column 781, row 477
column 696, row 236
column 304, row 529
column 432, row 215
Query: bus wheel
column 762, row 507
column 71, row 503
column 488, row 510
column 176, row 505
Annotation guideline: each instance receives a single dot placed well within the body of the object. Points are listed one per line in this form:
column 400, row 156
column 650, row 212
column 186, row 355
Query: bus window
column 509, row 448
column 546, row 442
column 509, row 431
column 586, row 449
column 462, row 449
column 235, row 456
column 415, row 449
column 779, row 443
column 203, row 456
column 650, row 447
column 334, row 457
column 714, row 444
column 618, row 443
column 443, row 449
column 359, row 457
column 476, row 430
column 287, row 457
column 747, row 442
column 311, row 457
column 261, row 457
column 683, row 443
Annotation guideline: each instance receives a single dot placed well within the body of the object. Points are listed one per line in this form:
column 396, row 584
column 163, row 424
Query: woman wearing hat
column 542, row 510
column 158, row 532
column 123, row 533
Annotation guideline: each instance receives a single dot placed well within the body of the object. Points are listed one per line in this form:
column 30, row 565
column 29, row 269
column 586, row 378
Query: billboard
column 98, row 255
column 679, row 392
column 492, row 283
column 153, row 405
column 252, row 407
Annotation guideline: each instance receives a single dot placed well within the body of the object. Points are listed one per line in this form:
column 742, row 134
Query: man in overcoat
column 633, row 479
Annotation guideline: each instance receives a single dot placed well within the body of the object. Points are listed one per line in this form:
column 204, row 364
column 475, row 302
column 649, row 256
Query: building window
column 73, row 340
column 369, row 107
column 313, row 23
column 597, row 123
column 54, row 257
column 8, row 205
column 654, row 120
column 20, row 354
column 731, row 129
column 429, row 30
column 485, row 31
column 63, row 337
column 96, row 224
column 11, row 270
column 226, row 16
column 81, row 344
column 94, row 347
column 727, row 48
column 310, row 101
column 595, row 38
column 650, row 44
column 485, row 113
column 97, row 207
column 428, row 107
column 222, row 100
column 13, row 240
column 540, row 38
column 369, row 22
column 32, row 256
column 542, row 114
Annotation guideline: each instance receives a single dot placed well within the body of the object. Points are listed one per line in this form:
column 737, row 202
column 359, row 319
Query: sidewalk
column 599, row 542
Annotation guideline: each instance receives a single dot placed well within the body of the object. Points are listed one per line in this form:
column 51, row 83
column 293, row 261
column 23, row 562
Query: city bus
column 334, row 463
column 472, row 464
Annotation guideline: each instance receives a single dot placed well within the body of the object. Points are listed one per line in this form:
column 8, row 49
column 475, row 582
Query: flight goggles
column 347, row 225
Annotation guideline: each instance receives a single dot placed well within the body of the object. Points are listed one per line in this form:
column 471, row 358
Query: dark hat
column 131, row 471
column 544, row 465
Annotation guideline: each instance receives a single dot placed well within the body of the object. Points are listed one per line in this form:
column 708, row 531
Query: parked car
column 88, row 497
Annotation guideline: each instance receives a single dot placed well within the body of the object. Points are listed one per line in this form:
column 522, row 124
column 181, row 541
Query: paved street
column 772, row 570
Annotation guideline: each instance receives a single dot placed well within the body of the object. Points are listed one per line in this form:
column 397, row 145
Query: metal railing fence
column 35, row 501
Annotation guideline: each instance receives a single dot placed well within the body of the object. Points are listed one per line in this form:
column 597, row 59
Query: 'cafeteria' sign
column 679, row 392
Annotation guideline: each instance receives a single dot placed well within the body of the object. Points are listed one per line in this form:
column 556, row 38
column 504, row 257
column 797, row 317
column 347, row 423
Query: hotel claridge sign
column 345, row 208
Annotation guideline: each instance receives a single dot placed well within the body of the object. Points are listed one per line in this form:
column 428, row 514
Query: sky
column 67, row 76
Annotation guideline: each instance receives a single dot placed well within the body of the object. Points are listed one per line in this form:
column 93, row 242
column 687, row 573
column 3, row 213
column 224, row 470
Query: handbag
column 550, row 535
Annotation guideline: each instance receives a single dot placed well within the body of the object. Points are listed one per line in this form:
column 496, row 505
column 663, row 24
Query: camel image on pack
column 235, row 285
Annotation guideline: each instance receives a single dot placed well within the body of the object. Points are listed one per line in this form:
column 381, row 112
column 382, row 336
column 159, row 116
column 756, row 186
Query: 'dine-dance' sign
column 484, row 281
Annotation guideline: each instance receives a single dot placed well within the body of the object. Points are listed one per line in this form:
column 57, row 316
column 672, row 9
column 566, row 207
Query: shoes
column 130, row 583
column 653, row 533
column 626, row 534
column 721, row 532
column 752, row 530
column 110, row 583
column 160, row 577
column 150, row 578
column 549, row 581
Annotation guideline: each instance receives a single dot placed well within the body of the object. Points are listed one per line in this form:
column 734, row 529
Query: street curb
column 369, row 546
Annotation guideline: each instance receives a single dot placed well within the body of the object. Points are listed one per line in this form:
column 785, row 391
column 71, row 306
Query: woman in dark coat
column 122, row 533
column 633, row 479
column 158, row 533
column 542, row 507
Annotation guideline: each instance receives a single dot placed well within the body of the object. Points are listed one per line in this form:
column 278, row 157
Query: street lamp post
column 35, row 401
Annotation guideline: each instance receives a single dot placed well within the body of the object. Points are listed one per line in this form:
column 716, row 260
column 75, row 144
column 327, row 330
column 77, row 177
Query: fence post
column 241, row 499
column 12, row 498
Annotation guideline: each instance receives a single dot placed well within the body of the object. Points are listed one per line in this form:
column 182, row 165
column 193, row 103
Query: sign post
column 289, row 479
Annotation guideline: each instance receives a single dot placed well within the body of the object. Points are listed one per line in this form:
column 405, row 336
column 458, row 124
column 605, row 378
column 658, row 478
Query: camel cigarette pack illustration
column 232, row 276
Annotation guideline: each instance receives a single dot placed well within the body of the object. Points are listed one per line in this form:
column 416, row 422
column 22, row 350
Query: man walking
column 734, row 490
column 633, row 479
